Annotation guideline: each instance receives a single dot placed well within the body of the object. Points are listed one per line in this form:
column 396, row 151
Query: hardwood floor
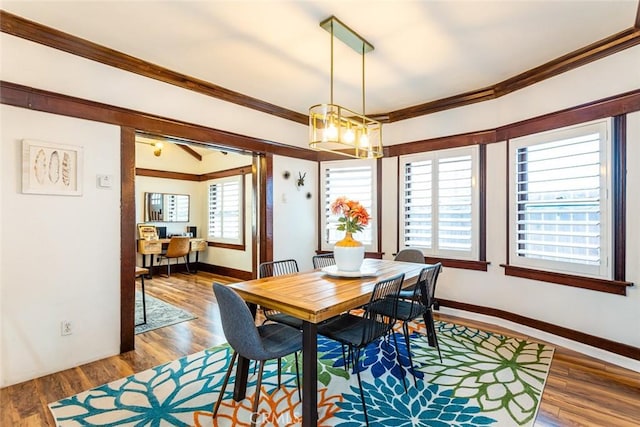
column 580, row 391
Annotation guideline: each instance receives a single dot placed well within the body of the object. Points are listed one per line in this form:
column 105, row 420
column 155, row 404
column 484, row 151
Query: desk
column 154, row 247
column 313, row 297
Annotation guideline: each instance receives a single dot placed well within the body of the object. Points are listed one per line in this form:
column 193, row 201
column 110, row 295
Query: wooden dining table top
column 315, row 296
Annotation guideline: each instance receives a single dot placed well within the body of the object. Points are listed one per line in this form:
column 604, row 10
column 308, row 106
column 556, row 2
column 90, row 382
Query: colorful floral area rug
column 483, row 379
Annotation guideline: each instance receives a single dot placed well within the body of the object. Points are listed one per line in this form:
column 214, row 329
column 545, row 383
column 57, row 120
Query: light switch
column 105, row 181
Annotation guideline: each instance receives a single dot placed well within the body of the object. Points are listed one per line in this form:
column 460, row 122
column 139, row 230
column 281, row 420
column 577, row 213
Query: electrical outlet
column 66, row 328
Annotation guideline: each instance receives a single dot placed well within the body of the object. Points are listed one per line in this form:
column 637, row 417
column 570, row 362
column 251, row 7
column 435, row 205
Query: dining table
column 315, row 296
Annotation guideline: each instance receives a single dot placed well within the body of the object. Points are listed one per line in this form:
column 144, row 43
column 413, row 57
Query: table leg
column 195, row 269
column 242, row 371
column 309, row 374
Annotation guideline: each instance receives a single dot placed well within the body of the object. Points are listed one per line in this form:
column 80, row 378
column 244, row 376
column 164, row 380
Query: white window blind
column 355, row 180
column 225, row 210
column 438, row 200
column 455, row 203
column 560, row 205
column 418, row 204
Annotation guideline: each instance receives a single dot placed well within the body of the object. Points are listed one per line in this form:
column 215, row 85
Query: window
column 355, row 179
column 226, row 210
column 559, row 210
column 439, row 203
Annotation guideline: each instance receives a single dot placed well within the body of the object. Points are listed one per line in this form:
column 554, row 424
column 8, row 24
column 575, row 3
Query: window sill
column 601, row 285
column 227, row 246
column 459, row 263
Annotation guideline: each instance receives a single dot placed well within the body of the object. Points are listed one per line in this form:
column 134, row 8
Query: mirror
column 161, row 207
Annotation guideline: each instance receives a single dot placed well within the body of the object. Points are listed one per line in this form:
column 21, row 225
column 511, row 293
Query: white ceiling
column 275, row 50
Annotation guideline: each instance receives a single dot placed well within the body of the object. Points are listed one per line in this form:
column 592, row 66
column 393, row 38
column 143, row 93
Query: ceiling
column 275, row 50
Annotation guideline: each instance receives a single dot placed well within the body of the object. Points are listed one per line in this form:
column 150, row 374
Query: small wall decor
column 286, row 174
column 308, row 195
column 49, row 168
column 300, row 180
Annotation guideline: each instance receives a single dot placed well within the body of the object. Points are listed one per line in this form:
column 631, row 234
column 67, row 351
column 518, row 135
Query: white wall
column 34, row 65
column 60, row 254
column 53, row 231
column 295, row 218
column 608, row 316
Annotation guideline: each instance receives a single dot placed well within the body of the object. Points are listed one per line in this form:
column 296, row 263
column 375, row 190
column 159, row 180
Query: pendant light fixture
column 337, row 129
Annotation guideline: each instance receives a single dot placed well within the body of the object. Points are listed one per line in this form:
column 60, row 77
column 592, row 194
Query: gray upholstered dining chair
column 279, row 268
column 259, row 343
column 410, row 255
column 178, row 247
column 357, row 332
column 323, row 260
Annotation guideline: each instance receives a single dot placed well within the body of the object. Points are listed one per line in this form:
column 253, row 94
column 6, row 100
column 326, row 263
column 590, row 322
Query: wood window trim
column 243, row 203
column 617, row 287
column 478, row 265
column 462, row 264
column 241, row 247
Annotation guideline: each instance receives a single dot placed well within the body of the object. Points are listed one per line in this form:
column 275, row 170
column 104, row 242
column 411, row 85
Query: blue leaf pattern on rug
column 466, row 389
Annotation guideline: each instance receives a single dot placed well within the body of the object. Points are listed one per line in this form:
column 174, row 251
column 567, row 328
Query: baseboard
column 226, row 271
column 613, row 352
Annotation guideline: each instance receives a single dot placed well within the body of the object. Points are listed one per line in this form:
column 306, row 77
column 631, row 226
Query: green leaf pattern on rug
column 326, row 370
column 500, row 373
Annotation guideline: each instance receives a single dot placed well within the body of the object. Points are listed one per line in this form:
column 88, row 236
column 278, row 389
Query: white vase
column 348, row 253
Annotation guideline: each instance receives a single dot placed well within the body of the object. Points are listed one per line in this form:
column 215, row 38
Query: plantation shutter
column 438, row 203
column 558, row 193
column 354, row 182
column 455, row 203
column 225, row 213
column 418, row 201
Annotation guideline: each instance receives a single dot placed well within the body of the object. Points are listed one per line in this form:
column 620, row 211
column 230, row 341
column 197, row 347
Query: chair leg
column 344, row 358
column 405, row 330
column 279, row 370
column 298, row 377
column 431, row 331
column 364, row 405
column 404, row 379
column 256, row 400
column 224, row 384
column 435, row 338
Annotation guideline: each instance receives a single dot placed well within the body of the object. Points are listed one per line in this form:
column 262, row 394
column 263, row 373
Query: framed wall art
column 49, row 168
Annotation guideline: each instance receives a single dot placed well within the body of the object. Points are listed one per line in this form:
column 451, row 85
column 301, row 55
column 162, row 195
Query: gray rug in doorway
column 159, row 314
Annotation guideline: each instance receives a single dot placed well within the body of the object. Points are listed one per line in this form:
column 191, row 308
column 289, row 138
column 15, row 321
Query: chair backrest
column 277, row 268
column 427, row 283
column 410, row 255
column 178, row 246
column 384, row 299
column 238, row 323
column 324, row 260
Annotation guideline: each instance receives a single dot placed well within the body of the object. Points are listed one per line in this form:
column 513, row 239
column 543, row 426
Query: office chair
column 178, row 247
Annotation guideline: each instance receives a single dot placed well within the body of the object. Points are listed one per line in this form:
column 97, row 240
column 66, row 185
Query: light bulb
column 349, row 136
column 364, row 140
column 332, row 132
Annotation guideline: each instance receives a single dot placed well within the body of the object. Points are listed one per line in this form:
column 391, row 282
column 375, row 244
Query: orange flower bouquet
column 354, row 216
